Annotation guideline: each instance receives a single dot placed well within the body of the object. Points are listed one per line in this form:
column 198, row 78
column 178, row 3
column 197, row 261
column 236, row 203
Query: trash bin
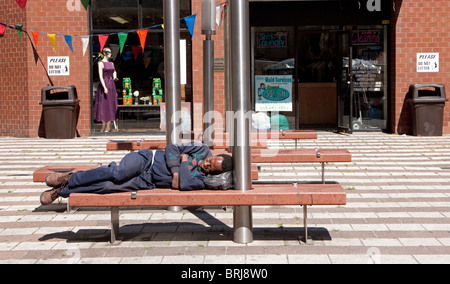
column 427, row 105
column 60, row 109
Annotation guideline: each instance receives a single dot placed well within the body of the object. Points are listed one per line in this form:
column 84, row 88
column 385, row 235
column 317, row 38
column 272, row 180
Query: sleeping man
column 179, row 166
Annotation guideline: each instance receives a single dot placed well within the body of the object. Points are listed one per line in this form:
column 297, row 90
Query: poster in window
column 273, row 93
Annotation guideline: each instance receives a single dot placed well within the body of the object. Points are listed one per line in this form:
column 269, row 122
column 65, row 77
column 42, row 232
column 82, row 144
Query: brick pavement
column 398, row 209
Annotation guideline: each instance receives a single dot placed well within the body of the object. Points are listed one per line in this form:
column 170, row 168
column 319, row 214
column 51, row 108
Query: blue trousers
column 134, row 172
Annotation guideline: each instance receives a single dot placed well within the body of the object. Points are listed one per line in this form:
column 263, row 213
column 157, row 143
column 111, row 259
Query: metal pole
column 227, row 75
column 208, row 90
column 240, row 89
column 172, row 69
column 172, row 74
column 208, row 29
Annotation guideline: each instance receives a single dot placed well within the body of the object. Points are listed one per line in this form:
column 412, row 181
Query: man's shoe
column 57, row 179
column 47, row 197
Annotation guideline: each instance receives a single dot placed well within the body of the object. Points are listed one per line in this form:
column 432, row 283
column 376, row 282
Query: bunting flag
column 85, row 3
column 142, row 37
column 115, row 48
column 36, row 37
column 219, row 15
column 136, row 51
column 190, row 22
column 68, row 39
column 147, row 62
column 85, row 43
column 52, row 38
column 102, row 39
column 122, row 40
column 36, row 55
column 22, row 3
column 19, row 30
column 2, row 29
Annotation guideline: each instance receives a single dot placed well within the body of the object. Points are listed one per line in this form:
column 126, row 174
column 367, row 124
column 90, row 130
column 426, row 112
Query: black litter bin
column 60, row 109
column 427, row 105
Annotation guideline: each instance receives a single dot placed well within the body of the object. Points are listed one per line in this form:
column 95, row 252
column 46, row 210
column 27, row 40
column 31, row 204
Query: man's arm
column 173, row 153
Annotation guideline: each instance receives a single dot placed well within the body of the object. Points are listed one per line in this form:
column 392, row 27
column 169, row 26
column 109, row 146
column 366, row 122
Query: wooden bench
column 259, row 140
column 261, row 194
column 321, row 156
column 264, row 136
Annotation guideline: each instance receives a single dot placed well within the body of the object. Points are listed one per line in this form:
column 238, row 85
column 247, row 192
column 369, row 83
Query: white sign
column 58, row 66
column 273, row 93
column 427, row 62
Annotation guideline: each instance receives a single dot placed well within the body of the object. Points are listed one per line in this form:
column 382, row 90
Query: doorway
column 342, row 77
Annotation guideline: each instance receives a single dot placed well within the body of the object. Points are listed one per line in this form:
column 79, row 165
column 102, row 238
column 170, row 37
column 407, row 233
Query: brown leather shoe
column 57, row 179
column 47, row 197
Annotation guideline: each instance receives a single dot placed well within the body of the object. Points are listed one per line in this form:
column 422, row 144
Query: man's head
column 217, row 164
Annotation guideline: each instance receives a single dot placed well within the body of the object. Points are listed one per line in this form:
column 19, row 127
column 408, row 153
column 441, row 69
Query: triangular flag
column 102, row 39
column 122, row 40
column 68, row 39
column 36, row 37
column 19, row 30
column 162, row 26
column 22, row 3
column 2, row 29
column 218, row 15
column 52, row 38
column 190, row 22
column 36, row 55
column 142, row 37
column 85, row 3
column 115, row 50
column 85, row 43
column 136, row 51
column 147, row 62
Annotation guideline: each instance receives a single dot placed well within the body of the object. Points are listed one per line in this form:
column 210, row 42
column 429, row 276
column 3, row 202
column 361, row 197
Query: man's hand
column 176, row 180
column 184, row 157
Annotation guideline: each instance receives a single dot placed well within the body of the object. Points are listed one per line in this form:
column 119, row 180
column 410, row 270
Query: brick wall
column 13, row 74
column 22, row 79
column 418, row 27
column 197, row 71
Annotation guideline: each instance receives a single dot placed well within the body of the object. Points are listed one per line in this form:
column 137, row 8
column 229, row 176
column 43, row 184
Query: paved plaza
column 398, row 209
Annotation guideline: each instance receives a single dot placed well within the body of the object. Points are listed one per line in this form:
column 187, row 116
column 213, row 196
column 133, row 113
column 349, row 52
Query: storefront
column 323, row 64
column 336, row 55
column 138, row 61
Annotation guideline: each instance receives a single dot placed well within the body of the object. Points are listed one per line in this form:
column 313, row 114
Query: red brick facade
column 21, row 79
column 416, row 26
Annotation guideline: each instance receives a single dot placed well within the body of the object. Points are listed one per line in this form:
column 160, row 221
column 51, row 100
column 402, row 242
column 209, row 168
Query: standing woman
column 105, row 107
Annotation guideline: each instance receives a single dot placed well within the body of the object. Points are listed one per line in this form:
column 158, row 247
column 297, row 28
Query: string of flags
column 142, row 33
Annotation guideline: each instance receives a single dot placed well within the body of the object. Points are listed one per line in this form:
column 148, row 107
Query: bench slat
column 261, row 194
column 300, row 155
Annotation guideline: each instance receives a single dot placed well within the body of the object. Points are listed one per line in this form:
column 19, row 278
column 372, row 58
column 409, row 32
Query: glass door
column 345, row 83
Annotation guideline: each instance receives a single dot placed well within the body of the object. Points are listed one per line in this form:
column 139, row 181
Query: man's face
column 212, row 165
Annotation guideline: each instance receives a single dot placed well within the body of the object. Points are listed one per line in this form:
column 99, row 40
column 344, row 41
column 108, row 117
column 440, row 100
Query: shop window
column 136, row 113
column 273, row 85
column 115, row 14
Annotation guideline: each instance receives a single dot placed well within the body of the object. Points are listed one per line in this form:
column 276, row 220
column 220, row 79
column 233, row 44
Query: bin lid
column 427, row 93
column 59, row 94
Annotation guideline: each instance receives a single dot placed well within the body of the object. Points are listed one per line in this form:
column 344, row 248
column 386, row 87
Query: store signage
column 271, row 40
column 273, row 93
column 366, row 37
column 427, row 62
column 58, row 66
column 374, row 5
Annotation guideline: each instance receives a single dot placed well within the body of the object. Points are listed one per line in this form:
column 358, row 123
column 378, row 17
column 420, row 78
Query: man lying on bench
column 181, row 166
